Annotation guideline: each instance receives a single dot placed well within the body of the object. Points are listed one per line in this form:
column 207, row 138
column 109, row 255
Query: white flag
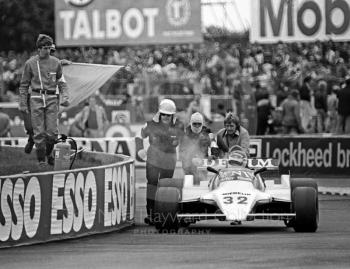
column 83, row 79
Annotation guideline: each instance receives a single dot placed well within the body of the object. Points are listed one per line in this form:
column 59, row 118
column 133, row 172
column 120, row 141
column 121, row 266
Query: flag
column 83, row 79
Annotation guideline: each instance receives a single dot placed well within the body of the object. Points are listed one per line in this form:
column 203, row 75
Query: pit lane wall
column 301, row 155
column 44, row 207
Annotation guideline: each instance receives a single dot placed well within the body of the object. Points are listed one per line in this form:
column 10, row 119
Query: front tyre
column 166, row 208
column 305, row 204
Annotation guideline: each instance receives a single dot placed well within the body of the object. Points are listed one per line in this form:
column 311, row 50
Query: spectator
column 332, row 110
column 233, row 134
column 321, row 105
column 291, row 121
column 221, row 66
column 11, row 80
column 196, row 106
column 5, row 127
column 139, row 109
column 307, row 110
column 344, row 108
column 264, row 109
column 91, row 121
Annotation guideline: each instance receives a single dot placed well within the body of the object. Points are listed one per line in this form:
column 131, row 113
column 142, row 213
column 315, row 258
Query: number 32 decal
column 241, row 200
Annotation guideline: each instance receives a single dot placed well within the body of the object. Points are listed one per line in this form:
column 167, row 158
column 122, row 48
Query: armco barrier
column 301, row 155
column 51, row 206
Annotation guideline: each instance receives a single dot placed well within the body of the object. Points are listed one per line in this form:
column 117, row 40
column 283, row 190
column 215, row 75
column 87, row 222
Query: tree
column 21, row 21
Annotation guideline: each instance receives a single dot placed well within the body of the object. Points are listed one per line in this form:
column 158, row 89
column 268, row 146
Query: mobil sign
column 299, row 20
column 124, row 22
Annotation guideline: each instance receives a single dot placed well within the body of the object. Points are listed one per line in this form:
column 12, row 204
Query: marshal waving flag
column 84, row 79
column 125, row 22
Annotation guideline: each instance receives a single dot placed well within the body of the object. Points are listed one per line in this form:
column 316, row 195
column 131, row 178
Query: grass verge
column 15, row 161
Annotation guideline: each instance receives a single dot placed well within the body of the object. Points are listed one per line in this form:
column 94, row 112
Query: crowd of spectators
column 273, row 71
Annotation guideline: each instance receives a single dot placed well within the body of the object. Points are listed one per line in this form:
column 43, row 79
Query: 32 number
column 241, row 200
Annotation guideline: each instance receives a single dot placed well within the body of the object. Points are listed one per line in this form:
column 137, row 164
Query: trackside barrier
column 303, row 155
column 50, row 206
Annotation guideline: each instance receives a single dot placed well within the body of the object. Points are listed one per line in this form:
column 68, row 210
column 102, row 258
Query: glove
column 212, row 158
column 174, row 140
column 65, row 103
column 65, row 62
column 142, row 154
column 215, row 152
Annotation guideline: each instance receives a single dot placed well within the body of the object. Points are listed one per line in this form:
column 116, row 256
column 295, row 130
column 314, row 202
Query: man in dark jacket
column 164, row 133
column 344, row 108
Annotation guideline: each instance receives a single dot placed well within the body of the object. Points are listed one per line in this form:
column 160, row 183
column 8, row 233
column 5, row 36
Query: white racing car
column 229, row 192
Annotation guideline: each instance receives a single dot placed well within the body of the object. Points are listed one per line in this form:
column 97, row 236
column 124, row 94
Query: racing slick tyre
column 305, row 203
column 171, row 182
column 295, row 183
column 302, row 182
column 166, row 208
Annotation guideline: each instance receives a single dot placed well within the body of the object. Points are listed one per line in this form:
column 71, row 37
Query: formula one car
column 229, row 192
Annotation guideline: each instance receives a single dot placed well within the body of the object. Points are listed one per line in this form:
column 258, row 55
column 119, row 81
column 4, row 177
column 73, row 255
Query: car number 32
column 230, row 199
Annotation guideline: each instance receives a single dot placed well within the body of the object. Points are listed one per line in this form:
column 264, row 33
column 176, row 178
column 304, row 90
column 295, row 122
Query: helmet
column 238, row 158
column 231, row 118
column 44, row 40
column 167, row 106
column 196, row 118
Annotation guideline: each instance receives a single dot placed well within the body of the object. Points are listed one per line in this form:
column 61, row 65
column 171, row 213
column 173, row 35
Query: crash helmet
column 238, row 158
column 196, row 122
column 167, row 106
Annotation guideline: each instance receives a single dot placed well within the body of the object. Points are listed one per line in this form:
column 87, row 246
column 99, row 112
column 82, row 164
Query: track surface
column 259, row 244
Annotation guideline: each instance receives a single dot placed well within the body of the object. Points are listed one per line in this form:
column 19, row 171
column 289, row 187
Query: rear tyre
column 305, row 203
column 166, row 209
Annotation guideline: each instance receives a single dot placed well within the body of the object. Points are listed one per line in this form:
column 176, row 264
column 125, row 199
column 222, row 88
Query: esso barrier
column 302, row 155
column 42, row 207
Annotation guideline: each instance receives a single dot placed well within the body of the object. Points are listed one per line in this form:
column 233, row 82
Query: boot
column 149, row 219
column 30, row 144
column 40, row 153
column 49, row 149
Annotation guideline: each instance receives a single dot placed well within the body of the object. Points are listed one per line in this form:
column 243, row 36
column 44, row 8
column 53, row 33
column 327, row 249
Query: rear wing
column 270, row 164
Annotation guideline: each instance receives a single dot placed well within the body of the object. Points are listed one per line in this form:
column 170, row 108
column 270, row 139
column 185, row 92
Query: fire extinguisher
column 62, row 152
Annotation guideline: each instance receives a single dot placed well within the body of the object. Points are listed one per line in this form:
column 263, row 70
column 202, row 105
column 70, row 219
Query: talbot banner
column 123, row 22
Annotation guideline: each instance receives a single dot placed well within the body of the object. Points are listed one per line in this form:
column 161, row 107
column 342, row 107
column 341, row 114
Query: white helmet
column 238, row 158
column 167, row 106
column 196, row 118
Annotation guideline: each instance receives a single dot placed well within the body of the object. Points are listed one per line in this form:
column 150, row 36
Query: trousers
column 44, row 116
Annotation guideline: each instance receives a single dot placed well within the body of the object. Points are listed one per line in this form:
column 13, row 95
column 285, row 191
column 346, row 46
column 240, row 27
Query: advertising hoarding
column 122, row 22
column 299, row 20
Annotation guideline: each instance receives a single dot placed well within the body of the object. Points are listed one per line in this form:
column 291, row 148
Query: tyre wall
column 302, row 155
column 36, row 208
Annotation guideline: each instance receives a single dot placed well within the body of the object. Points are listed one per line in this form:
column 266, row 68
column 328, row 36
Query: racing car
column 236, row 192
